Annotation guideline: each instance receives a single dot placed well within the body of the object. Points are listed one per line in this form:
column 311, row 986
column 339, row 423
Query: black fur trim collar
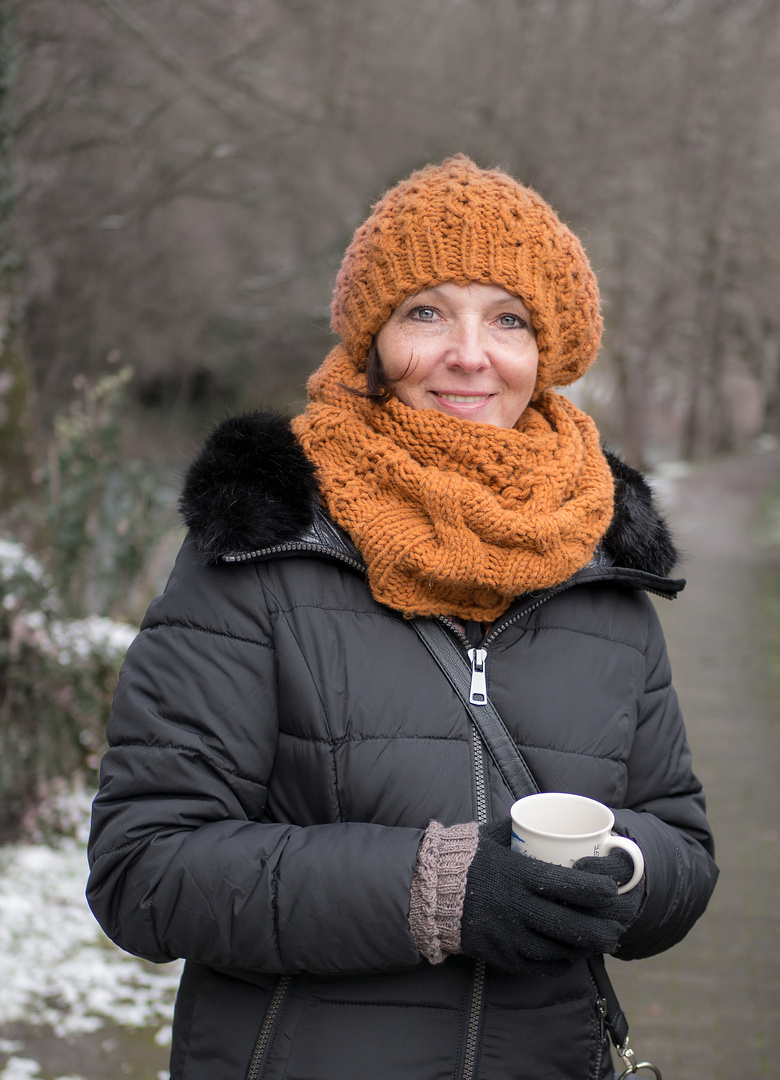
column 251, row 487
column 638, row 536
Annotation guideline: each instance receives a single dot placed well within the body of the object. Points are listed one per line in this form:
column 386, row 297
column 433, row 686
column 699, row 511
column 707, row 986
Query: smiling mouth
column 464, row 399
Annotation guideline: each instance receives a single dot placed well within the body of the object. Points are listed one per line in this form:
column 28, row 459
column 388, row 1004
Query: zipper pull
column 601, row 1009
column 478, row 693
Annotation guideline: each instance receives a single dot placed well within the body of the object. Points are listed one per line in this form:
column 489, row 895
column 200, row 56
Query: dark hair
column 378, row 387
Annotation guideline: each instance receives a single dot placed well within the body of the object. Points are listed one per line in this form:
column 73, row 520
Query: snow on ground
column 57, row 968
column 18, row 1068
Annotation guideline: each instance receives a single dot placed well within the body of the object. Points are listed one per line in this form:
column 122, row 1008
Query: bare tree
column 192, row 172
column 15, row 405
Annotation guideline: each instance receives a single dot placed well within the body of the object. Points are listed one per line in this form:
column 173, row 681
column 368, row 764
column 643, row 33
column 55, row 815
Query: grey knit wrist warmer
column 439, row 888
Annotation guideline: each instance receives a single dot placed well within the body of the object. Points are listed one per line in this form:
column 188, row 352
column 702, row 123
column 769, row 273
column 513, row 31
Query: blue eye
column 425, row 313
column 511, row 320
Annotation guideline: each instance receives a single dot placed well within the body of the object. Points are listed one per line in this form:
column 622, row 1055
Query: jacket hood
column 251, row 487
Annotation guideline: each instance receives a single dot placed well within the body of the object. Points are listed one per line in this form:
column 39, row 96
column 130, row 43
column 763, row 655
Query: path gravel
column 710, row 1008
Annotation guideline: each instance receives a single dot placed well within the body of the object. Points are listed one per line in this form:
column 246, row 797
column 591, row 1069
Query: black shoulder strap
column 500, row 744
column 516, row 774
column 614, row 1017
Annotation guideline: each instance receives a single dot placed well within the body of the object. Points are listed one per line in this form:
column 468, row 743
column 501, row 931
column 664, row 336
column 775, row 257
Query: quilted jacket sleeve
column 665, row 814
column 183, row 863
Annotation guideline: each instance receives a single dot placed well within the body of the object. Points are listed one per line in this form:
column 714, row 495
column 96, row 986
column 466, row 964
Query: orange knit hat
column 456, row 222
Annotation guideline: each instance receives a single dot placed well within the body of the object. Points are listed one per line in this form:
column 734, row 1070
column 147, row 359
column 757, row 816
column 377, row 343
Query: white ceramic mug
column 560, row 828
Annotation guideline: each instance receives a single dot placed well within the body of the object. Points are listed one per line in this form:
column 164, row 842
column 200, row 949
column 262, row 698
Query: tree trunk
column 15, row 412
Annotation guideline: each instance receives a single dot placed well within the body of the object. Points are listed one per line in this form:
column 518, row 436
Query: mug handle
column 637, row 858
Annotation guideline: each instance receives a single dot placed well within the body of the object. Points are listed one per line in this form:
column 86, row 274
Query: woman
column 295, row 799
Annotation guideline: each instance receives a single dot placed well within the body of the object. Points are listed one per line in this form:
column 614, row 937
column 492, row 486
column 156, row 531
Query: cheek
column 533, row 364
column 526, row 368
column 391, row 352
column 406, row 394
column 522, row 389
column 402, row 359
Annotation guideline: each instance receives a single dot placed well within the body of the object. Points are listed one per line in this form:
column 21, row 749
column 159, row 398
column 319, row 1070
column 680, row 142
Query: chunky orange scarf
column 454, row 517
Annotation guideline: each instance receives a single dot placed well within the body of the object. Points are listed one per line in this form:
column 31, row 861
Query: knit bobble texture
column 458, row 223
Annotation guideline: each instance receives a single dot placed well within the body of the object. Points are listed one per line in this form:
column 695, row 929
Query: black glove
column 619, row 866
column 521, row 914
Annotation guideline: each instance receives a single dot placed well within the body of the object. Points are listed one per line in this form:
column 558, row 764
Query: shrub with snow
column 57, row 677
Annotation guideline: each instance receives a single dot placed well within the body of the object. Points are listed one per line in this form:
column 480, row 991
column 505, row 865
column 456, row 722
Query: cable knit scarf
column 452, row 516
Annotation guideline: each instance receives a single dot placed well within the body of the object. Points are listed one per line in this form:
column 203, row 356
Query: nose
column 467, row 349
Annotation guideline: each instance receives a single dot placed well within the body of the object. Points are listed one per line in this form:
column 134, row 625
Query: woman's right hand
column 521, row 914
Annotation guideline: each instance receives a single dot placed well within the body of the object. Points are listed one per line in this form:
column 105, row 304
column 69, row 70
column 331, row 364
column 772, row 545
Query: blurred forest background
column 178, row 182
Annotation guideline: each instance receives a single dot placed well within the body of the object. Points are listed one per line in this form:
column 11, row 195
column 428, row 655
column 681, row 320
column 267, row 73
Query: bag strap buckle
column 631, row 1066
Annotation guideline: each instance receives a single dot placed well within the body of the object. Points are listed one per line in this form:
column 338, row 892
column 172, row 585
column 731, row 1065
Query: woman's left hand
column 618, row 866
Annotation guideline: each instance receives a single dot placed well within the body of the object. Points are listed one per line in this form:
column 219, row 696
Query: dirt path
column 710, row 1008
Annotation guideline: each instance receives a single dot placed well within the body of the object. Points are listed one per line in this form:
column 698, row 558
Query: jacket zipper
column 601, row 1011
column 478, row 692
column 480, row 793
column 491, row 636
column 340, row 555
column 474, row 1022
column 476, row 1005
column 263, row 1038
column 302, row 546
column 478, row 696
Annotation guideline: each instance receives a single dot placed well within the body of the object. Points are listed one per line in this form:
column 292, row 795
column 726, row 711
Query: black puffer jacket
column 279, row 742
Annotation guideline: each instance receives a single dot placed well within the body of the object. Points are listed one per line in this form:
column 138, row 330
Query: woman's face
column 465, row 350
